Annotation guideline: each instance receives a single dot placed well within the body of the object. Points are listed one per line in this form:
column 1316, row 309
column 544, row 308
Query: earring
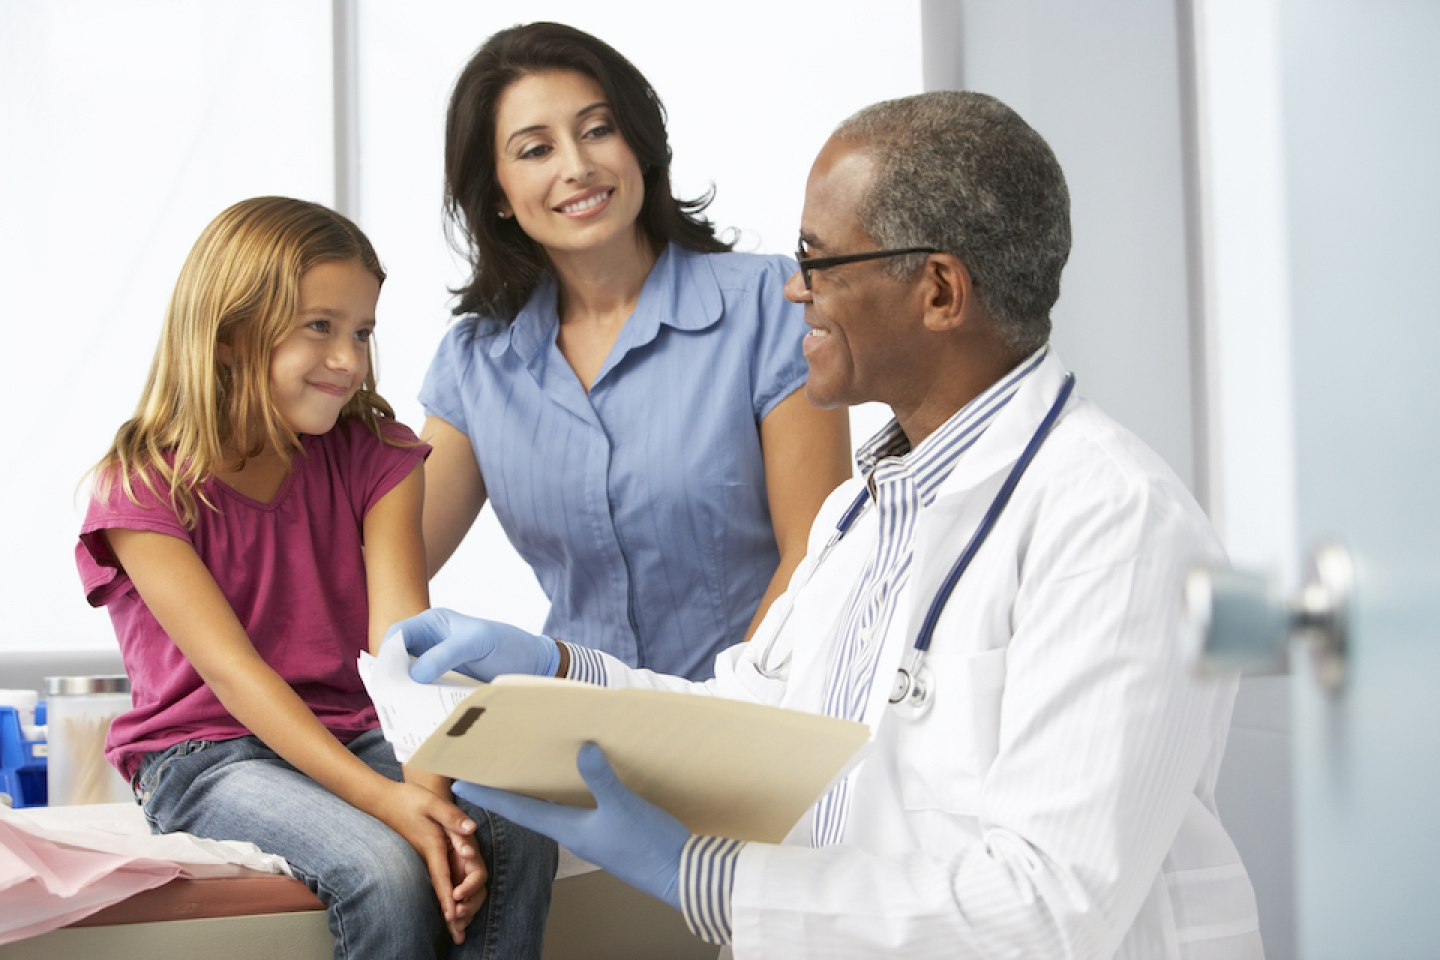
column 502, row 214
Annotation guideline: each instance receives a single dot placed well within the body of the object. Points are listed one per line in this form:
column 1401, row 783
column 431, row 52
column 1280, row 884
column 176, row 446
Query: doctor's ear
column 225, row 354
column 949, row 292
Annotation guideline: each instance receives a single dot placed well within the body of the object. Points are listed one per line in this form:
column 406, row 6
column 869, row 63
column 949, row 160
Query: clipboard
column 724, row 768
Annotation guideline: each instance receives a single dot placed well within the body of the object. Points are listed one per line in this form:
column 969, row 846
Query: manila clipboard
column 724, row 768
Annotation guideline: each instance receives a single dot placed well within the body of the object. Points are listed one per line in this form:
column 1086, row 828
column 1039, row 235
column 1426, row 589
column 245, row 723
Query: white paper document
column 409, row 711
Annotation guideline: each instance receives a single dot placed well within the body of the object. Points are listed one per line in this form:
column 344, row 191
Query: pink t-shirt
column 294, row 574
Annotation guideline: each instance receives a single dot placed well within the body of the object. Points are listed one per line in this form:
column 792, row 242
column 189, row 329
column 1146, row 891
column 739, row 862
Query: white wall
column 124, row 128
column 1101, row 83
column 1247, row 271
column 1251, row 409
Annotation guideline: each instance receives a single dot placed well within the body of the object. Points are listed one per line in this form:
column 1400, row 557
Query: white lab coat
column 1057, row 801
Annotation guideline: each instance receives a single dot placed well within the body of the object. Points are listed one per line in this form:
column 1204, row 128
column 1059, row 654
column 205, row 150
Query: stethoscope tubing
column 913, row 672
column 997, row 506
column 987, row 524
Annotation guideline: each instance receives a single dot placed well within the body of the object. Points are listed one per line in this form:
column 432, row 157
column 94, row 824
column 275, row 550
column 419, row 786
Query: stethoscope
column 913, row 692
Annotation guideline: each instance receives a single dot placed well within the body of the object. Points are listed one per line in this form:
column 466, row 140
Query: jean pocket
column 155, row 765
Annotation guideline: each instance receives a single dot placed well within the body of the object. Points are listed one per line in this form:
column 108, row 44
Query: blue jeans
column 376, row 889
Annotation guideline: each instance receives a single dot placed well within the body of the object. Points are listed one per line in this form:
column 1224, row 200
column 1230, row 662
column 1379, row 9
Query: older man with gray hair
column 997, row 597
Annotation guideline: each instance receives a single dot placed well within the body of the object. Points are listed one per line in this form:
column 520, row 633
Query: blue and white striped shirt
column 902, row 482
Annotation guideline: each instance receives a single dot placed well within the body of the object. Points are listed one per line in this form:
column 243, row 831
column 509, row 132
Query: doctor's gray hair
column 961, row 172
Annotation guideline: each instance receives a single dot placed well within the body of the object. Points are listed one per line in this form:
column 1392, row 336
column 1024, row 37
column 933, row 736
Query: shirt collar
column 931, row 462
column 534, row 326
column 680, row 292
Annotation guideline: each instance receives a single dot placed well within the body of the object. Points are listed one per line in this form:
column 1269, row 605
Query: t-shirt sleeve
column 779, row 363
column 100, row 572
column 378, row 467
column 442, row 394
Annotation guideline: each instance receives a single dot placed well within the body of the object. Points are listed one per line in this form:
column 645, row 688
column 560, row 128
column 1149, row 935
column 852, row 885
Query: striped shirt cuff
column 707, row 877
column 586, row 665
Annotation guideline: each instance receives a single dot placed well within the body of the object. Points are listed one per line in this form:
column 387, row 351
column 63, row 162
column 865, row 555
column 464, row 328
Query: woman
column 625, row 390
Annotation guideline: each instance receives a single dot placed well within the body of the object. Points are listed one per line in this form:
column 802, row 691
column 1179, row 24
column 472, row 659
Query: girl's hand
column 437, row 829
column 467, row 871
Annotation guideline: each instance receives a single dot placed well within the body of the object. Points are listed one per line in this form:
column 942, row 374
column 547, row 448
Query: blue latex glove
column 484, row 649
column 625, row 835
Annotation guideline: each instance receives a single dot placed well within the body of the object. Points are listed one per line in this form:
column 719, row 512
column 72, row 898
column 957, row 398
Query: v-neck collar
column 281, row 493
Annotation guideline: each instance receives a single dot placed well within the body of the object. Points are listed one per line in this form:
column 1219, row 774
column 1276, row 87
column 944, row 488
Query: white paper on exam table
column 722, row 767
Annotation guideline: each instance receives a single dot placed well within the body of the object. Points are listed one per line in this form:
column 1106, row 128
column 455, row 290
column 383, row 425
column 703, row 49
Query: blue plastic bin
column 22, row 761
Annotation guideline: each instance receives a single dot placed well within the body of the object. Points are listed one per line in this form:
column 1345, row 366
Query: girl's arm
column 397, row 587
column 455, row 493
column 395, row 581
column 182, row 594
column 807, row 454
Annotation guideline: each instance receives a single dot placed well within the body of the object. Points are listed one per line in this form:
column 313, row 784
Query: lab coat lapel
column 947, row 525
column 818, row 612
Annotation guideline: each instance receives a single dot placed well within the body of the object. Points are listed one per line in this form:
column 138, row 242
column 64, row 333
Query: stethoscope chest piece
column 913, row 691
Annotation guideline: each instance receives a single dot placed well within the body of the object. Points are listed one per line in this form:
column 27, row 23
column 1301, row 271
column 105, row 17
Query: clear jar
column 79, row 711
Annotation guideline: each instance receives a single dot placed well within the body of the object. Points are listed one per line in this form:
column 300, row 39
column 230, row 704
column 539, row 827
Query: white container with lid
column 78, row 714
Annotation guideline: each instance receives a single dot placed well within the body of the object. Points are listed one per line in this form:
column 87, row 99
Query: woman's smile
column 588, row 203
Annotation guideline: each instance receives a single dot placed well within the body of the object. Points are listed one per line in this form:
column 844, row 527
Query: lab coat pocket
column 987, row 681
column 945, row 754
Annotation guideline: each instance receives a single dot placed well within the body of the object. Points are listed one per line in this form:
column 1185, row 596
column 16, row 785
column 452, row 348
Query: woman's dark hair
column 505, row 263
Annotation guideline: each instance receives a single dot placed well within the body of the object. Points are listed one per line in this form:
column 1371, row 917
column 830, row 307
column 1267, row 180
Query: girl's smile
column 334, row 389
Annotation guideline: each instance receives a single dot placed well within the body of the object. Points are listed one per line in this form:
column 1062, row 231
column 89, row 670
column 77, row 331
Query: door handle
column 1239, row 620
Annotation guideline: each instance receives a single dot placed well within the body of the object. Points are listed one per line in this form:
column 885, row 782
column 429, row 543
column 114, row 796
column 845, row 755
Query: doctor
column 1043, row 784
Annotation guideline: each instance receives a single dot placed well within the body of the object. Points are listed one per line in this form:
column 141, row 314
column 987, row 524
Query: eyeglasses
column 809, row 264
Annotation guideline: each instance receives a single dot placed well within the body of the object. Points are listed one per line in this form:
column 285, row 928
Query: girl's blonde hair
column 239, row 286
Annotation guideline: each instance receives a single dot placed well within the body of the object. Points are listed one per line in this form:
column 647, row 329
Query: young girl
column 250, row 528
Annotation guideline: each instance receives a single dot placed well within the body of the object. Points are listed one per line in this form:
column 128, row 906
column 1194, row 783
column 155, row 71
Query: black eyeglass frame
column 809, row 264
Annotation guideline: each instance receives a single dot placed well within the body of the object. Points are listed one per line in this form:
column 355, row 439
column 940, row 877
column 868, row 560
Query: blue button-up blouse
column 641, row 506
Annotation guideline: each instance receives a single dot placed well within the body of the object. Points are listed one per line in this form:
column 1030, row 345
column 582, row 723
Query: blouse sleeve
column 443, row 392
column 779, row 367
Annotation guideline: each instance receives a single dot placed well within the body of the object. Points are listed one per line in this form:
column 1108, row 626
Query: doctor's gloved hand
column 484, row 649
column 625, row 834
